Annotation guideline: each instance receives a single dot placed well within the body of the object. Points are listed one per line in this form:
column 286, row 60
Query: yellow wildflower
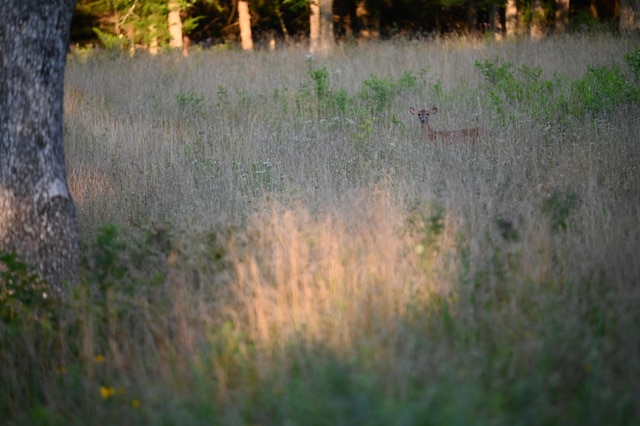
column 107, row 392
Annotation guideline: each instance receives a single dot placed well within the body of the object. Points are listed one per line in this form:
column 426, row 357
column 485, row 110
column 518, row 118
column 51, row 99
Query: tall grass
column 268, row 240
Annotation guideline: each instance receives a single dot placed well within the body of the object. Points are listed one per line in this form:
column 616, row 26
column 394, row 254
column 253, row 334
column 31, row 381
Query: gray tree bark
column 37, row 214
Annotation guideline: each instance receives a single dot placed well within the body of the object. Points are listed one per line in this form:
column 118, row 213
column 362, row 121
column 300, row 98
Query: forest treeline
column 156, row 24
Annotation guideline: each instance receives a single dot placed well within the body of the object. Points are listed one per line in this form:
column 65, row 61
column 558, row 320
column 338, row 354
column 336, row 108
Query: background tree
column 127, row 22
column 314, row 26
column 175, row 24
column 132, row 24
column 511, row 18
column 37, row 214
column 538, row 21
column 244, row 21
column 321, row 36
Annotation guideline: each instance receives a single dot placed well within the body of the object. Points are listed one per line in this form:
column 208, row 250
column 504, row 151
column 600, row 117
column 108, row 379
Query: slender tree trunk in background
column 244, row 20
column 314, row 26
column 537, row 22
column 326, row 26
column 629, row 15
column 283, row 26
column 37, row 214
column 511, row 18
column 321, row 27
column 562, row 16
column 175, row 25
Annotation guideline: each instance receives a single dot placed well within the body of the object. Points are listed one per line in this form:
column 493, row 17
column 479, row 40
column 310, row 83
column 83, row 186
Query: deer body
column 470, row 135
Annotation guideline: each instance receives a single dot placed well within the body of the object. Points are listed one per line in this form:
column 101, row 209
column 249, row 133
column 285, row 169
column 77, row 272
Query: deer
column 468, row 135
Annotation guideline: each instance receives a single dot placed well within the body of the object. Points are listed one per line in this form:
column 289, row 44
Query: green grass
column 267, row 239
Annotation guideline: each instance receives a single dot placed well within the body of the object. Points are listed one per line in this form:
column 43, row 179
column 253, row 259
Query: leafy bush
column 521, row 87
column 600, row 90
column 381, row 91
column 23, row 294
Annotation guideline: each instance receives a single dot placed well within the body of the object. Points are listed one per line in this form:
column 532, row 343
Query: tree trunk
column 37, row 214
column 494, row 20
column 244, row 20
column 314, row 26
column 326, row 26
column 562, row 16
column 321, row 26
column 175, row 25
column 629, row 15
column 511, row 18
column 538, row 30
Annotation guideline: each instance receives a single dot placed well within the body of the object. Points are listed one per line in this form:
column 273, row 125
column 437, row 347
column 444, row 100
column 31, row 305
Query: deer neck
column 427, row 131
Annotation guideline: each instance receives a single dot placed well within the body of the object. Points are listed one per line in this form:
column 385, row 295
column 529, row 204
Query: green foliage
column 600, row 90
column 559, row 206
column 124, row 23
column 633, row 61
column 381, row 91
column 522, row 87
column 192, row 103
column 320, row 78
column 330, row 101
column 320, row 389
column 111, row 42
column 23, row 294
column 115, row 265
column 429, row 223
column 104, row 258
column 497, row 73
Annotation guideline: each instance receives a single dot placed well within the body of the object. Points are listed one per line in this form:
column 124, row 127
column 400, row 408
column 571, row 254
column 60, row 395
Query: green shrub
column 633, row 61
column 601, row 90
column 23, row 294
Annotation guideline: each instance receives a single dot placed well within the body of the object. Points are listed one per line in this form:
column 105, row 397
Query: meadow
column 268, row 239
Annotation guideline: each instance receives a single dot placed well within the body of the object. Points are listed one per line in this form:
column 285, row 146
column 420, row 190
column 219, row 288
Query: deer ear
column 413, row 111
column 434, row 110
